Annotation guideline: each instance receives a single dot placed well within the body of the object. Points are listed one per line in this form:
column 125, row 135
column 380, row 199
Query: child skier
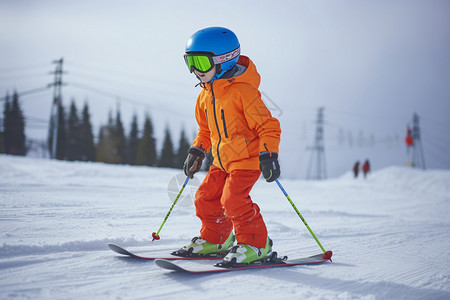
column 243, row 137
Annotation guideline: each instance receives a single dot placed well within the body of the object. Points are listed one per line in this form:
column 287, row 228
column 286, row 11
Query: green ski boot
column 246, row 254
column 199, row 247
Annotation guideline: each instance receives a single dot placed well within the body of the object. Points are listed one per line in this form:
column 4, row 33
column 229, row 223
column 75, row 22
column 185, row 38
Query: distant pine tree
column 7, row 143
column 110, row 119
column 133, row 142
column 98, row 154
column 106, row 148
column 73, row 134
column 183, row 149
column 1, row 142
column 87, row 147
column 121, row 142
column 109, row 141
column 147, row 146
column 14, row 127
column 61, row 148
column 61, row 140
column 167, row 157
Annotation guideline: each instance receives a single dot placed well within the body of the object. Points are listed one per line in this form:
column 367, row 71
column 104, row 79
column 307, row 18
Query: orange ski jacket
column 234, row 122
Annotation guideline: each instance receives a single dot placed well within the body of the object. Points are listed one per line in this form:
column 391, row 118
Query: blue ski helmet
column 218, row 42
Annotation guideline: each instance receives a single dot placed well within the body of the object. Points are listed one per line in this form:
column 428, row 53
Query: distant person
column 356, row 169
column 366, row 168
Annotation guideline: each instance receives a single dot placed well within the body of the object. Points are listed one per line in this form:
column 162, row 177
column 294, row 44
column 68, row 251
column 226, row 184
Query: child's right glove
column 193, row 161
column 268, row 163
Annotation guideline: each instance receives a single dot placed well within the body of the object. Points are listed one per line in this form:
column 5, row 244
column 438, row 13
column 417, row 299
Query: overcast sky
column 371, row 64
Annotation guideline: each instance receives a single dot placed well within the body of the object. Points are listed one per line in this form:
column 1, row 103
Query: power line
column 21, row 68
column 436, row 122
column 33, row 91
column 438, row 153
column 436, row 135
column 129, row 84
column 129, row 76
column 365, row 116
column 20, row 76
column 34, row 119
column 110, row 95
column 126, row 99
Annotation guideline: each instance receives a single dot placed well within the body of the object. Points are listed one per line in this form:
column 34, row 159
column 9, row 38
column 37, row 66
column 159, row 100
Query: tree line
column 75, row 138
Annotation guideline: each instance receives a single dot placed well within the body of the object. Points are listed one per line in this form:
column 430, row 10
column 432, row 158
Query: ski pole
column 326, row 254
column 155, row 235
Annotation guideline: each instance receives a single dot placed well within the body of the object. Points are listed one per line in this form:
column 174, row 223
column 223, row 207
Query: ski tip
column 119, row 250
column 165, row 264
column 115, row 248
column 327, row 255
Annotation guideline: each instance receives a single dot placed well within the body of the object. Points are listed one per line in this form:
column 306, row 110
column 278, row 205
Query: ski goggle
column 204, row 61
column 200, row 62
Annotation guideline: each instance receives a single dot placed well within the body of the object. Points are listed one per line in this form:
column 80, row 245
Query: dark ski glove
column 268, row 163
column 193, row 162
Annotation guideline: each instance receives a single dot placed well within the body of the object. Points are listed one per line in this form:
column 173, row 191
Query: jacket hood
column 244, row 72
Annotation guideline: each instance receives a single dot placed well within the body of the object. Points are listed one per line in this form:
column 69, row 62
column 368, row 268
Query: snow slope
column 389, row 234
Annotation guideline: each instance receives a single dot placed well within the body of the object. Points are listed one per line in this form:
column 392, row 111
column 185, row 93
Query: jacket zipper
column 222, row 115
column 217, row 126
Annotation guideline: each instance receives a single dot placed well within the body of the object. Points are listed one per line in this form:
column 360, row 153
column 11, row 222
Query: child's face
column 206, row 77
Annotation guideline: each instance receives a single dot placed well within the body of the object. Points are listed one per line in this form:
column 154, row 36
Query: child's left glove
column 268, row 163
column 193, row 162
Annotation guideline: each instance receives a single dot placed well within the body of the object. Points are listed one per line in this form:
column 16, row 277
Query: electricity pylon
column 417, row 156
column 57, row 98
column 317, row 164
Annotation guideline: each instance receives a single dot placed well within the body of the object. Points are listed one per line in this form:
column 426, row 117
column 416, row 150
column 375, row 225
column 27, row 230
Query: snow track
column 389, row 235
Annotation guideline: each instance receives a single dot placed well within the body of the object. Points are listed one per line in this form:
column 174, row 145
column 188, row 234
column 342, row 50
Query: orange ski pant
column 223, row 202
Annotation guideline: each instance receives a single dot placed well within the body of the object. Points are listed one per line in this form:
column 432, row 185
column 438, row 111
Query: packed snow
column 389, row 234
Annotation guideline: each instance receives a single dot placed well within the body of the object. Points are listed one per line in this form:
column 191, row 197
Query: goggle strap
column 227, row 56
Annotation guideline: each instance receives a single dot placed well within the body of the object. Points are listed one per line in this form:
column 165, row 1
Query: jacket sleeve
column 203, row 139
column 260, row 120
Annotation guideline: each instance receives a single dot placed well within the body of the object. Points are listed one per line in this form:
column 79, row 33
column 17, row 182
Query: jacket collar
column 244, row 71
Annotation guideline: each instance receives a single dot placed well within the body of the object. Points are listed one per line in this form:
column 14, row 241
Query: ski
column 198, row 268
column 125, row 252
